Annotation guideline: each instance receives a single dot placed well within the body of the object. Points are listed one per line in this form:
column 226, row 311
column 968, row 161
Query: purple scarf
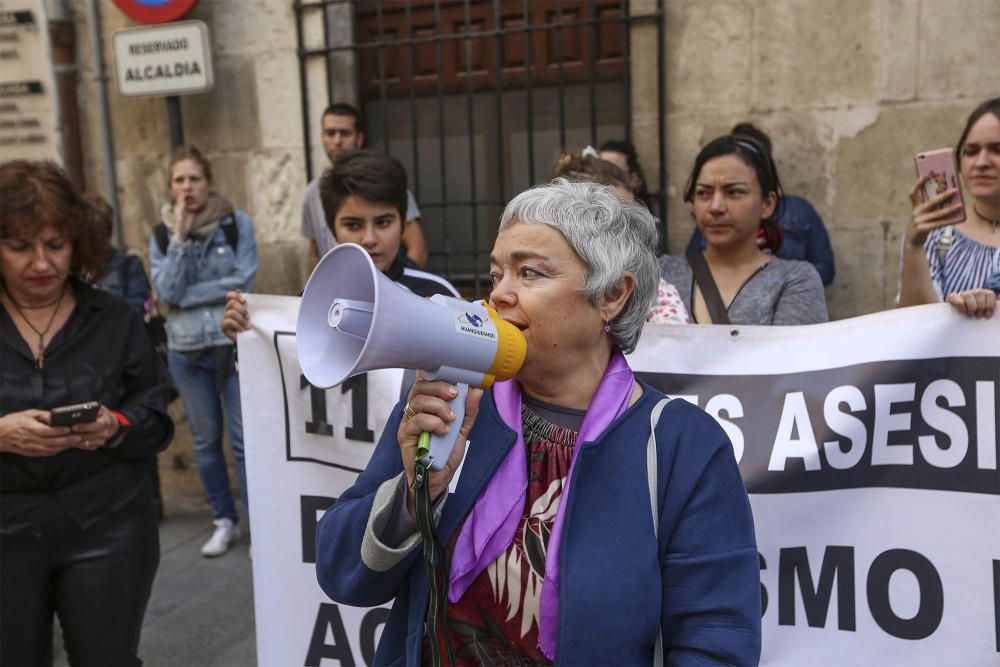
column 491, row 525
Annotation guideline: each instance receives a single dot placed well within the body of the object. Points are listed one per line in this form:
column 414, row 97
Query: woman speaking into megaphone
column 564, row 527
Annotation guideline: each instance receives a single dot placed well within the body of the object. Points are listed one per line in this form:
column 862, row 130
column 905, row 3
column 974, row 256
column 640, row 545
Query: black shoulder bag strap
column 162, row 237
column 709, row 290
column 230, row 231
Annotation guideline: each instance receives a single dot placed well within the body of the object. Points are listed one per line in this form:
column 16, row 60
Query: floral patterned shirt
column 496, row 621
column 668, row 308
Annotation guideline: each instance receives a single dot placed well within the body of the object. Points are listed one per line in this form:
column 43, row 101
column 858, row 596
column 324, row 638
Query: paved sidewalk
column 201, row 610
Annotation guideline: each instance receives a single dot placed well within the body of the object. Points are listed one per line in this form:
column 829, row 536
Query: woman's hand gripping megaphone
column 432, row 413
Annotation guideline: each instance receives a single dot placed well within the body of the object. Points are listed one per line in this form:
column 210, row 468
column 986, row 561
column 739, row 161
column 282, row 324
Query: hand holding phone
column 80, row 413
column 938, row 168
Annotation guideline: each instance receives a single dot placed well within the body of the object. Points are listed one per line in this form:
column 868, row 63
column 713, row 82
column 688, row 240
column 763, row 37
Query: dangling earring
column 607, row 328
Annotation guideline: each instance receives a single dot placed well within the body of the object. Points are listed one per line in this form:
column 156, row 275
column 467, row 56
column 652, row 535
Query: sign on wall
column 28, row 99
column 868, row 446
column 171, row 59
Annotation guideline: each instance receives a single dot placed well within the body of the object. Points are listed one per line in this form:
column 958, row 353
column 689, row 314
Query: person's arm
column 311, row 205
column 171, row 269
column 144, row 405
column 416, row 244
column 802, row 299
column 313, row 256
column 697, row 242
column 710, row 573
column 916, row 286
column 819, row 252
column 361, row 556
column 136, row 285
column 240, row 278
column 340, row 534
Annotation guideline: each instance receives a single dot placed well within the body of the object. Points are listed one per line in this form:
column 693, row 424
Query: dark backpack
column 228, row 225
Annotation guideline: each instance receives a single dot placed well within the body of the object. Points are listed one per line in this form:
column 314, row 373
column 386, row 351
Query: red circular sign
column 155, row 11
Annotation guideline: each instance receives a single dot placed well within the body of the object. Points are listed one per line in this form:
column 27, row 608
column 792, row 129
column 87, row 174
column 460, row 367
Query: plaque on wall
column 28, row 104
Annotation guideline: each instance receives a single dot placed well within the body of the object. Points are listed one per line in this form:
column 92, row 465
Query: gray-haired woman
column 553, row 553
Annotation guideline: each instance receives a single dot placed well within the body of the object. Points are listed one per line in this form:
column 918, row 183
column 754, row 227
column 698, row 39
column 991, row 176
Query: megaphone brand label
column 471, row 324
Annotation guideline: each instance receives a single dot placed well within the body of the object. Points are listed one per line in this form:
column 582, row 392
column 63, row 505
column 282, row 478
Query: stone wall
column 249, row 127
column 849, row 92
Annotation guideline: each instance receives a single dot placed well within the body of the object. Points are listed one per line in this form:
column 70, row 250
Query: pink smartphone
column 940, row 166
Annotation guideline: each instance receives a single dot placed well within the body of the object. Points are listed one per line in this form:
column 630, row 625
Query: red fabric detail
column 122, row 419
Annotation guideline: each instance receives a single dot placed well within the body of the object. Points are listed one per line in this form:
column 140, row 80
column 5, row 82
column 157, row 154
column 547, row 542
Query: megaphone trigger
column 433, row 450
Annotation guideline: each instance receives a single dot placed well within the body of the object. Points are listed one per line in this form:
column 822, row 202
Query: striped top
column 966, row 265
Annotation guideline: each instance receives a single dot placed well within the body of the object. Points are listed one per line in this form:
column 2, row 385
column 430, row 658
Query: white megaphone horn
column 353, row 319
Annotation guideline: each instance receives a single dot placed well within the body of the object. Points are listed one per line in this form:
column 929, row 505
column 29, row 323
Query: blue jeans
column 201, row 387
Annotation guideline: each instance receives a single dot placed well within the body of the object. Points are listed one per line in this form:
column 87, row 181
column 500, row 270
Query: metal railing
column 499, row 86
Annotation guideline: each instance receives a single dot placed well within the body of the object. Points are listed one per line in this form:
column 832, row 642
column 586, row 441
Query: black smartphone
column 67, row 415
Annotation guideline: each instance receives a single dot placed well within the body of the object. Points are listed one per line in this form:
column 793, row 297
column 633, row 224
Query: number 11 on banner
column 318, row 423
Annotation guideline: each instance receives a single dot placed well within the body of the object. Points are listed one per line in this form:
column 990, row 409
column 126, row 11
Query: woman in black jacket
column 78, row 536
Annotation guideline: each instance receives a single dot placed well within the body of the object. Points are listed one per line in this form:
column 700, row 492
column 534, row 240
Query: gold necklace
column 40, row 357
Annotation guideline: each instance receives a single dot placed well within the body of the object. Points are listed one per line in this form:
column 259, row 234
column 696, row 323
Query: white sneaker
column 225, row 534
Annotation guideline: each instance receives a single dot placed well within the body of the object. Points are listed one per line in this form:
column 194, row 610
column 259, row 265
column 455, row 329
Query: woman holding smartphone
column 78, row 535
column 959, row 263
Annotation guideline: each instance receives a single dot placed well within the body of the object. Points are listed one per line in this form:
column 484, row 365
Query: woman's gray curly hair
column 610, row 234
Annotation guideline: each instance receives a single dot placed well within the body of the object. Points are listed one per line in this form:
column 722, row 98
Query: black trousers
column 97, row 580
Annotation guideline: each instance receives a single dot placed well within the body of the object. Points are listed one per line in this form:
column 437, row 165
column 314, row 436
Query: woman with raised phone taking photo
column 570, row 529
column 958, row 263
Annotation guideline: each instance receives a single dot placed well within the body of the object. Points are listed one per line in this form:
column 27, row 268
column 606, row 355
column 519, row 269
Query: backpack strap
column 654, row 501
column 945, row 241
column 228, row 225
column 709, row 290
column 162, row 237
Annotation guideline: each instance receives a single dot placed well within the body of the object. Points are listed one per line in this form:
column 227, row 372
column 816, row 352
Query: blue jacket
column 125, row 277
column 700, row 585
column 805, row 237
column 192, row 277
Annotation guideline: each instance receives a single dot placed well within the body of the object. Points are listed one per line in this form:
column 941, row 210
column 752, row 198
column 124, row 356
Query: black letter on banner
column 794, row 563
column 358, row 430
column 996, row 602
column 317, row 399
column 309, row 507
column 369, row 625
column 328, row 616
column 763, row 591
column 931, row 609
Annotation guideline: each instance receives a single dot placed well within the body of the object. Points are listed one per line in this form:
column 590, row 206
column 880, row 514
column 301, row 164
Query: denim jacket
column 192, row 278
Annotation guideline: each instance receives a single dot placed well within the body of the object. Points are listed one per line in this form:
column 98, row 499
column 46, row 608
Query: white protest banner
column 869, row 447
column 304, row 447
